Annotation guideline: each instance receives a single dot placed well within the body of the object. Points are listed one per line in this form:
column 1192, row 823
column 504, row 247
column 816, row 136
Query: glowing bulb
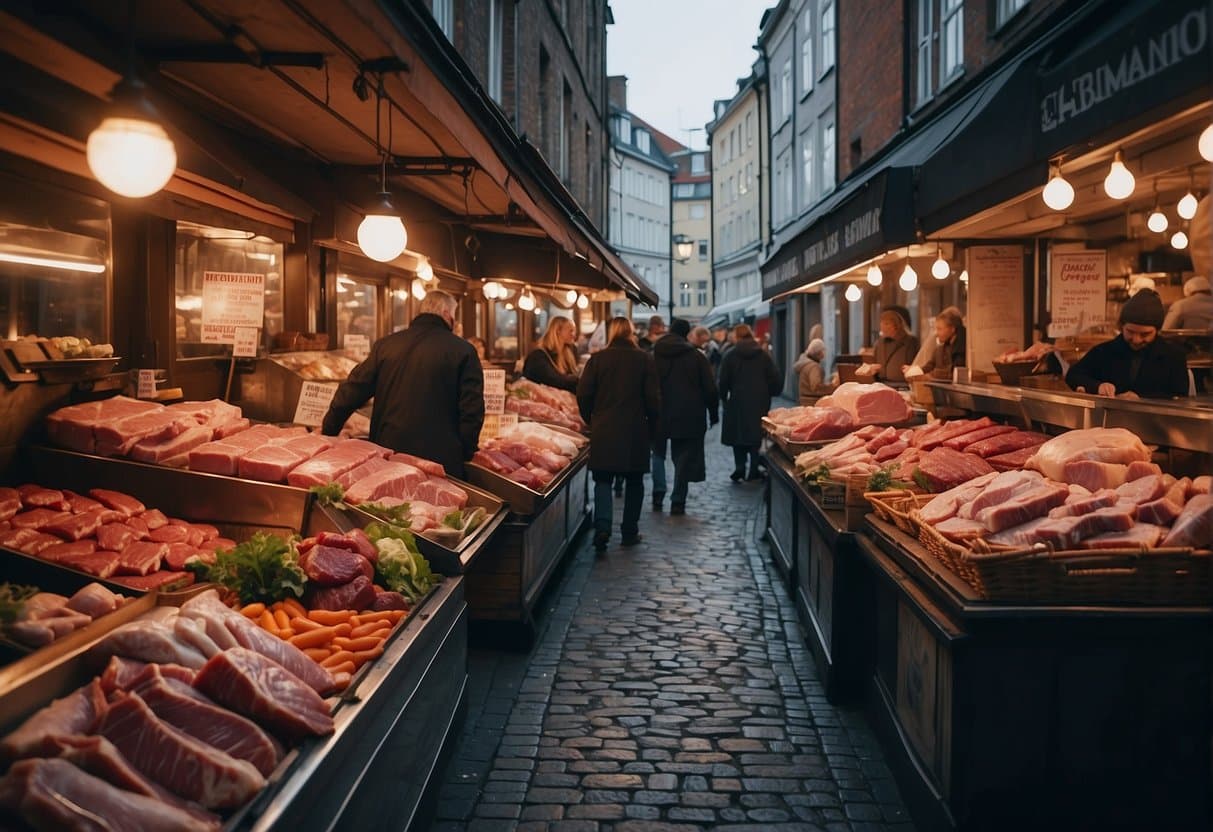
column 419, row 289
column 583, row 302
column 425, row 271
column 492, row 290
column 1119, row 182
column 570, row 297
column 1205, row 144
column 940, row 269
column 381, row 234
column 964, row 276
column 509, row 307
column 875, row 275
column 1058, row 194
column 853, row 293
column 1157, row 222
column 1187, row 206
column 131, row 156
column 908, row 280
column 526, row 301
column 1179, row 240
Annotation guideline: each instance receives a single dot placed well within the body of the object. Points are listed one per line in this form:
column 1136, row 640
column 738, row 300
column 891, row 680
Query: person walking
column 656, row 332
column 554, row 361
column 809, row 372
column 688, row 395
column 428, row 388
column 748, row 380
column 619, row 399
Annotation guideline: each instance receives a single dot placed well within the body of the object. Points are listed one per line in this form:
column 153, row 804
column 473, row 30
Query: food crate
column 1012, row 371
column 896, row 506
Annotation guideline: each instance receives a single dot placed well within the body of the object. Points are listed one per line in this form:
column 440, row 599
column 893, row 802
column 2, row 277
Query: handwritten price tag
column 147, row 385
column 314, row 400
column 495, row 423
column 245, row 343
column 494, row 391
column 359, row 346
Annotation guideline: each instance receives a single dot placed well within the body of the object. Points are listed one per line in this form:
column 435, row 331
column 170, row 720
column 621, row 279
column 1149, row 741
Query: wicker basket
column 896, row 507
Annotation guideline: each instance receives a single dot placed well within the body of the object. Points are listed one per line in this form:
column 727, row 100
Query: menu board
column 314, row 400
column 494, row 391
column 1078, row 291
column 996, row 289
column 229, row 300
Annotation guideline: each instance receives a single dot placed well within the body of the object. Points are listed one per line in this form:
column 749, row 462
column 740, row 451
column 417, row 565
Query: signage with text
column 494, row 391
column 495, row 423
column 1078, row 291
column 314, row 400
column 359, row 346
column 245, row 341
column 230, row 300
column 995, row 315
column 146, row 388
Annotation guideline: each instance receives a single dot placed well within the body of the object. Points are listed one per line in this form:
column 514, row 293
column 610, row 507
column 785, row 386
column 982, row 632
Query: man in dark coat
column 428, row 389
column 1136, row 363
column 620, row 401
column 656, row 333
column 688, row 395
column 748, row 380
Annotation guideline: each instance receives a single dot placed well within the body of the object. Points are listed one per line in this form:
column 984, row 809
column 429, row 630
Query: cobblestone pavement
column 670, row 689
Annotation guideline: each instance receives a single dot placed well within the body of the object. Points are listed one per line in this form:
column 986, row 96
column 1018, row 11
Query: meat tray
column 521, row 500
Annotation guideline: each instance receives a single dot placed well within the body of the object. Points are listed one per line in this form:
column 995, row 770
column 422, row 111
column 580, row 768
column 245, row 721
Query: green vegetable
column 454, row 520
column 821, row 472
column 882, row 480
column 329, row 495
column 12, row 600
column 393, row 515
column 264, row 568
column 401, row 568
column 922, row 481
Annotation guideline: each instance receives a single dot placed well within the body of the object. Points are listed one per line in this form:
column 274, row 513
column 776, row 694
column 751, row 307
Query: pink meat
column 75, row 713
column 362, row 471
column 1013, row 461
column 959, row 530
column 891, row 451
column 395, row 480
column 117, row 438
column 1004, row 444
column 161, row 450
column 269, row 463
column 871, row 403
column 829, row 423
column 154, row 519
column 1160, row 512
column 1194, row 526
column 1084, row 504
column 1068, row 532
column 213, row 413
column 1023, row 507
column 331, row 566
column 10, row 503
column 60, row 551
column 77, row 526
column 309, row 445
column 156, row 580
column 1143, row 490
column 549, row 460
column 250, row 684
column 216, row 458
column 139, row 526
column 141, row 558
column 178, row 554
column 79, row 504
column 886, row 437
column 1140, row 536
column 39, row 542
column 100, row 564
column 35, row 496
column 944, row 468
column 215, row 544
column 443, row 492
column 358, row 594
column 960, row 443
column 526, row 478
column 327, row 466
column 1138, row 469
column 231, row 428
column 127, row 505
column 1018, row 536
column 517, row 451
column 935, row 435
column 122, row 673
column 169, row 533
column 1200, row 485
column 430, row 467
column 496, row 462
column 37, row 518
column 1003, row 487
column 94, row 600
column 1094, row 475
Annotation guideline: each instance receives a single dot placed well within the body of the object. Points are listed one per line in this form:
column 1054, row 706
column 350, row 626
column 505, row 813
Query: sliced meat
column 1019, row 536
column 10, row 503
column 427, row 466
column 36, row 518
column 1140, row 536
column 364, row 470
column 960, row 443
column 1200, row 485
column 77, row 526
column 156, row 580
column 935, row 435
column 944, row 468
column 149, row 641
column 117, row 501
column 160, row 450
column 78, row 503
column 76, row 713
column 960, row 530
column 218, row 543
column 99, row 564
column 496, row 462
column 390, row 601
column 179, row 554
column 123, row 674
column 1143, row 490
column 443, row 492
column 327, row 466
column 119, row 437
column 169, row 534
column 35, row 496
column 1094, row 475
column 193, row 633
column 1160, row 512
column 394, row 480
column 139, row 526
column 1194, row 526
column 309, row 445
column 236, row 426
column 1068, row 532
column 216, row 458
column 1013, row 461
column 208, row 531
column 259, row 688
column 1138, row 469
column 115, row 536
column 269, row 463
column 1000, row 489
column 154, row 519
column 94, row 601
column 141, row 558
column 39, row 542
column 1006, row 443
column 1077, row 504
column 60, row 551
column 358, row 594
column 1023, row 507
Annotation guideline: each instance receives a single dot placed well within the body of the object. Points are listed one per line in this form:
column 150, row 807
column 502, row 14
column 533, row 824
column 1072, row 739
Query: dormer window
column 642, row 140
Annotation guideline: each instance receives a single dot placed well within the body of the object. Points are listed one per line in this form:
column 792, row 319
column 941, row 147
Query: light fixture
column 526, row 301
column 1205, row 143
column 964, row 276
column 1157, row 221
column 682, row 247
column 53, row 263
column 1119, row 182
column 509, row 307
column 419, row 289
column 381, row 234
column 425, row 271
column 492, row 290
column 570, row 297
column 875, row 275
column 909, row 278
column 1179, row 240
column 1058, row 194
column 583, row 302
column 853, row 292
column 940, row 268
column 1186, row 208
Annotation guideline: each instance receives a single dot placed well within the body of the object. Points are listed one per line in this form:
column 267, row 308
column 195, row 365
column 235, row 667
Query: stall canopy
column 736, row 311
column 277, row 113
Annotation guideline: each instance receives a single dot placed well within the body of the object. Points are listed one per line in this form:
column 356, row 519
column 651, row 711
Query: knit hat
column 680, row 327
column 816, row 349
column 901, row 312
column 1140, row 282
column 1143, row 309
column 1196, row 284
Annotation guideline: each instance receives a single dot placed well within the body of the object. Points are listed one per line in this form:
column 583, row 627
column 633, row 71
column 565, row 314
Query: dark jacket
column 748, row 380
column 540, row 367
column 894, row 353
column 429, row 394
column 688, row 390
column 1163, row 371
column 620, row 401
column 949, row 355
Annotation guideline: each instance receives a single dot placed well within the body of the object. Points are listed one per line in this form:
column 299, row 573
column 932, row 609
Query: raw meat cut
column 945, row 505
column 75, row 548
column 549, row 461
column 155, row 580
column 943, row 468
column 264, row 691
column 960, row 443
column 269, row 463
column 78, row 503
column 427, row 466
column 891, row 451
column 39, row 542
column 218, row 543
column 358, row 594
column 1023, row 507
column 1141, row 536
column 182, row 764
column 1094, row 475
column 141, row 558
column 169, row 533
column 118, row 438
column 118, row 501
column 149, row 641
column 396, row 480
column 122, row 673
column 1160, row 512
column 933, row 438
column 212, row 413
column 960, row 530
column 443, row 492
column 1200, row 485
column 161, row 450
column 327, row 466
column 827, row 423
column 1013, row 461
column 1006, row 443
column 496, row 462
column 55, row 794
column 1137, row 470
column 187, row 710
column 94, row 601
column 1003, row 487
column 1077, row 504
column 115, row 536
column 1194, row 526
column 1068, row 532
column 10, row 503
column 209, row 532
column 178, row 555
column 871, row 403
column 35, row 496
column 100, row 564
column 76, row 713
column 308, row 445
column 389, row 601
column 139, row 526
column 1114, row 445
column 367, row 468
column 216, row 458
column 330, row 566
column 883, row 437
column 154, row 519
column 193, row 634
column 76, row 526
column 1019, row 536
column 213, row 617
column 230, row 428
column 1143, row 490
column 72, row 427
column 36, row 518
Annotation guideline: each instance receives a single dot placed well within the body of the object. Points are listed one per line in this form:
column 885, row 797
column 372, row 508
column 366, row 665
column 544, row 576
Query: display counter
column 268, row 388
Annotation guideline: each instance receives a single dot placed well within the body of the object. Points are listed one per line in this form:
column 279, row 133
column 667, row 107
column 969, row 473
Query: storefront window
column 505, row 332
column 202, row 249
column 357, row 309
column 54, row 262
column 399, row 299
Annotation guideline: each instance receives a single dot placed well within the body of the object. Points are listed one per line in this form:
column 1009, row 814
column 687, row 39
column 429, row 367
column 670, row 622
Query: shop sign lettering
column 1077, row 291
column 861, row 228
column 230, row 300
column 1188, row 38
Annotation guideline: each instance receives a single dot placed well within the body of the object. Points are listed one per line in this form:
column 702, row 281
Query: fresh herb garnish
column 882, row 480
column 401, row 567
column 331, row 494
column 263, row 568
column 12, row 600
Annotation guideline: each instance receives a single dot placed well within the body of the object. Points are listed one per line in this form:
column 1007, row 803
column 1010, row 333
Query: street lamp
column 682, row 253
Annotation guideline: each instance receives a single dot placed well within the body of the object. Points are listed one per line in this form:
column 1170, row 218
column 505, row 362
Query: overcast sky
column 680, row 56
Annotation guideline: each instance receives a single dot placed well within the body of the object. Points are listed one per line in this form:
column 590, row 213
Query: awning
column 735, row 311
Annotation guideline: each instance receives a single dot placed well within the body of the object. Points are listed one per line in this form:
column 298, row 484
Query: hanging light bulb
column 1205, row 143
column 1119, row 182
column 570, row 297
column 583, row 302
column 940, row 268
column 1058, row 194
column 964, row 276
column 381, row 234
column 419, row 289
column 1157, row 221
column 425, row 271
column 509, row 307
column 131, row 155
column 853, row 293
column 492, row 290
column 875, row 275
column 909, row 279
column 526, row 301
column 1187, row 206
column 1179, row 240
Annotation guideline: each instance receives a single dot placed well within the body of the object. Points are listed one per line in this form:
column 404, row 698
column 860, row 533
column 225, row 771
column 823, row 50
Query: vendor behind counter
column 894, row 349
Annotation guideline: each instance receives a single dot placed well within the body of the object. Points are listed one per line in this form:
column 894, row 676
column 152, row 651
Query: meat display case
column 267, row 389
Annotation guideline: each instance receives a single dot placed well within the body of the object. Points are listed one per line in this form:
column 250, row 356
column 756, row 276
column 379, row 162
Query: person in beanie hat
column 1136, row 363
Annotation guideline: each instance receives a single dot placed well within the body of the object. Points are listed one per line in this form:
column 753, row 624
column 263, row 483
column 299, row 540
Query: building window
column 697, row 164
column 444, row 16
column 926, row 37
column 733, row 144
column 623, row 129
column 1008, row 9
column 951, row 53
column 642, row 140
column 703, row 249
column 827, row 157
column 684, row 294
column 806, row 167
column 749, row 129
column 749, row 176
column 566, row 131
column 827, row 36
column 496, row 25
column 699, row 211
column 806, row 52
column 785, row 91
column 701, row 287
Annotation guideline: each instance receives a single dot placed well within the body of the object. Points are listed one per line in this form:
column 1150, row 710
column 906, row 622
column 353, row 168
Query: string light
column 1186, row 208
column 909, row 279
column 1119, row 183
column 940, row 268
column 853, row 293
column 1157, row 221
column 1179, row 240
column 875, row 275
column 1058, row 194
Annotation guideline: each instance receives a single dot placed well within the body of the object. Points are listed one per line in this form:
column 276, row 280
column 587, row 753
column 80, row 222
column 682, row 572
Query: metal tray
column 67, row 370
column 524, row 501
column 21, row 568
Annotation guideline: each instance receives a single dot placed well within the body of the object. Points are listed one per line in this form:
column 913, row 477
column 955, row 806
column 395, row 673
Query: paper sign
column 314, row 400
column 495, row 423
column 245, row 343
column 494, row 391
column 229, row 300
column 359, row 346
column 147, row 385
column 1078, row 291
column 995, row 320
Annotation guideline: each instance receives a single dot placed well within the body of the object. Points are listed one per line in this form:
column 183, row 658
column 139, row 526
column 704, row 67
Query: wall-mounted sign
column 229, row 300
column 1078, row 291
column 995, row 316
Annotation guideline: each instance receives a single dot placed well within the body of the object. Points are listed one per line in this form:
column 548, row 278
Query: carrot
column 317, row 654
column 347, row 668
column 266, row 621
column 304, row 625
column 361, row 657
column 373, row 627
column 282, row 619
column 330, row 618
column 341, row 680
column 356, row 644
column 384, row 615
column 314, row 638
column 340, row 657
column 343, row 630
column 252, row 610
column 294, row 608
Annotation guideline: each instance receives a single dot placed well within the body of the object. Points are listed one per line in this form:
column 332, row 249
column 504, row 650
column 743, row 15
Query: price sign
column 495, row 423
column 494, row 391
column 996, row 275
column 246, row 341
column 230, row 300
column 1078, row 289
column 314, row 400
column 146, row 388
column 359, row 346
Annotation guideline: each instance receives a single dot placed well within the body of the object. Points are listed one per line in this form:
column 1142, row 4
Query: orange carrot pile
column 341, row 642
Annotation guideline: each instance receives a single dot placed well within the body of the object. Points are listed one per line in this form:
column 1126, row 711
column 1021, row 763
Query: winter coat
column 429, row 394
column 947, row 356
column 688, row 390
column 540, row 367
column 894, row 353
column 1192, row 312
column 810, row 376
column 748, row 380
column 620, row 400
column 1163, row 371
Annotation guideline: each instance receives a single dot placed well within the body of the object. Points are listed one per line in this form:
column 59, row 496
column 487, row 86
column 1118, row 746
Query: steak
column 94, row 601
column 935, row 435
column 829, row 423
column 118, row 501
column 161, row 450
column 962, row 442
column 1001, row 488
column 1023, row 507
column 330, row 566
column 1013, row 461
column 38, row 542
column 308, row 445
column 141, row 558
column 76, row 526
column 1005, row 443
column 76, row 713
column 269, row 463
column 1068, row 532
column 1084, row 504
column 216, row 458
column 871, row 403
column 36, row 518
column 117, row 438
column 169, row 533
column 261, row 689
column 122, row 674
column 1094, row 475
column 1019, row 536
column 960, row 530
column 367, row 468
column 1194, row 526
column 59, row 551
column 35, row 496
column 1160, row 512
column 99, row 564
column 154, row 519
column 358, row 594
column 443, row 492
column 943, row 468
column 1138, row 469
column 395, row 480
column 1144, row 490
column 10, row 503
column 115, row 536
column 494, row 461
column 327, row 466
column 427, row 466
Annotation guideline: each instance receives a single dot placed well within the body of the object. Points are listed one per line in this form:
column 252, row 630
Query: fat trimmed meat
column 1094, row 475
column 149, row 641
column 1112, row 445
column 944, row 468
column 1140, row 536
column 261, row 689
column 1194, row 526
column 1023, row 507
column 76, row 713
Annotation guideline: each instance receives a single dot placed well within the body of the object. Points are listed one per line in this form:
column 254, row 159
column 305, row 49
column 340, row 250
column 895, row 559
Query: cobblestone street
column 669, row 689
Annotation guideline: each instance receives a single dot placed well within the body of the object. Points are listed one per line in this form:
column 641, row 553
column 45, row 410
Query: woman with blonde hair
column 554, row 361
column 620, row 400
